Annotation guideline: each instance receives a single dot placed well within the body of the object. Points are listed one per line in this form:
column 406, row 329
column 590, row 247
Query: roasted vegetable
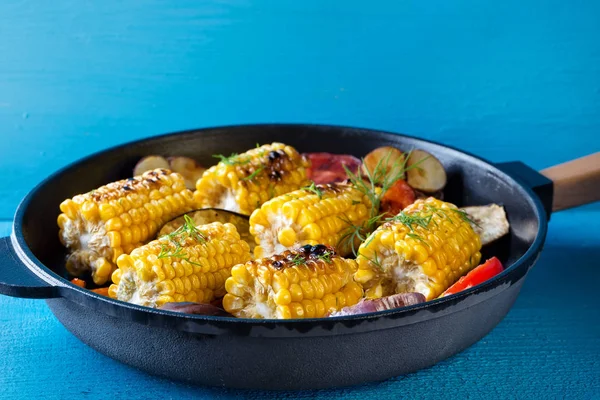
column 188, row 168
column 195, row 308
column 190, row 264
column 388, row 160
column 208, row 215
column 309, row 282
column 101, row 291
column 316, row 214
column 78, row 282
column 489, row 222
column 150, row 163
column 478, row 275
column 424, row 249
column 100, row 225
column 330, row 168
column 381, row 304
column 243, row 182
column 399, row 196
column 429, row 176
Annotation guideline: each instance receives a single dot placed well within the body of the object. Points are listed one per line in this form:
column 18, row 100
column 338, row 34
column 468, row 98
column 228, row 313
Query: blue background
column 506, row 80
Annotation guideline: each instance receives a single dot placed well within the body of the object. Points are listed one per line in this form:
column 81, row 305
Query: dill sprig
column 298, row 259
column 374, row 186
column 423, row 221
column 358, row 233
column 314, row 189
column 254, row 174
column 409, row 220
column 233, row 159
column 325, row 256
column 177, row 237
column 443, row 212
column 375, row 261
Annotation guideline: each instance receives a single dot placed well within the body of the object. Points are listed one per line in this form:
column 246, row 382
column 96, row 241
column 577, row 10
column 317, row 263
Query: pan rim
column 295, row 327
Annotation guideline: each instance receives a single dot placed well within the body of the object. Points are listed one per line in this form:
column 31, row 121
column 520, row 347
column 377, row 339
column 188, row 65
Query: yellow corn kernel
column 89, row 210
column 107, row 211
column 283, row 297
column 296, row 310
column 103, row 271
column 287, row 237
column 283, row 312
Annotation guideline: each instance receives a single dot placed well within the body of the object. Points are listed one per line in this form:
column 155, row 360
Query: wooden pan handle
column 576, row 182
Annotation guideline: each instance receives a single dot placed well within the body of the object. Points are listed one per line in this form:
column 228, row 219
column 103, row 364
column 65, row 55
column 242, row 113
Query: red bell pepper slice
column 479, row 274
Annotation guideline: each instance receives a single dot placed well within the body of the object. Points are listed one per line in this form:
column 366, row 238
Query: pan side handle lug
column 17, row 280
column 542, row 186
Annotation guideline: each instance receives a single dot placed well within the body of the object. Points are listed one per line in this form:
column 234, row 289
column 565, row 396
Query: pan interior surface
column 470, row 180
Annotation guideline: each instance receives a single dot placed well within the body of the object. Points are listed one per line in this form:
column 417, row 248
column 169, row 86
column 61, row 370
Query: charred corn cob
column 425, row 249
column 309, row 282
column 190, row 264
column 100, row 225
column 242, row 182
column 318, row 214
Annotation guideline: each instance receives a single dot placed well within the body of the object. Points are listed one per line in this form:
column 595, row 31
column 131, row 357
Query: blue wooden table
column 506, row 80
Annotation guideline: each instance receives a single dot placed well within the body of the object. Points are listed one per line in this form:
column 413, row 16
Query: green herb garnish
column 177, row 237
column 326, row 256
column 375, row 261
column 314, row 189
column 254, row 174
column 374, row 186
column 298, row 260
column 233, row 159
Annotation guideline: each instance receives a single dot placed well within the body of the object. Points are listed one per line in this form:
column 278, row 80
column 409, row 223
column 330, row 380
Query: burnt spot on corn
column 148, row 181
column 272, row 166
column 314, row 257
column 275, row 175
column 331, row 188
column 275, row 154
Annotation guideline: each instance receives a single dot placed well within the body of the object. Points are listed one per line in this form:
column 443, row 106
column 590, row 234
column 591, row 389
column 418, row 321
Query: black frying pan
column 272, row 354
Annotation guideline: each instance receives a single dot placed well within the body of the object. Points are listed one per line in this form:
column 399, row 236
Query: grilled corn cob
column 425, row 249
column 309, row 282
column 319, row 214
column 241, row 183
column 190, row 264
column 100, row 225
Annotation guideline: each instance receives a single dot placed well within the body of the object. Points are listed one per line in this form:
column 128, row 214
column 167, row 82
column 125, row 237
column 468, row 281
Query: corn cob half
column 309, row 282
column 100, row 225
column 242, row 182
column 320, row 214
column 190, row 264
column 424, row 249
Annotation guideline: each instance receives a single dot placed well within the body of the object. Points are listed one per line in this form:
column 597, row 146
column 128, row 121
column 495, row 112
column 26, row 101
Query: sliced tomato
column 480, row 274
column 399, row 196
column 329, row 168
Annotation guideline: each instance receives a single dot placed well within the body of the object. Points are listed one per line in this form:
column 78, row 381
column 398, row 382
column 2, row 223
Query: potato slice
column 188, row 168
column 149, row 163
column 387, row 162
column 426, row 172
column 490, row 221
